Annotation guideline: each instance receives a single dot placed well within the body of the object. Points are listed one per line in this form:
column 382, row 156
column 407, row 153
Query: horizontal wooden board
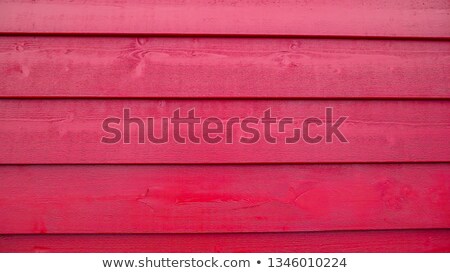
column 399, row 18
column 317, row 242
column 222, row 68
column 233, row 198
column 70, row 132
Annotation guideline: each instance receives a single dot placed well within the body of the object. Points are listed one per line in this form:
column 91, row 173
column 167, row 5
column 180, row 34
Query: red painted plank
column 70, row 131
column 410, row 18
column 317, row 242
column 214, row 67
column 233, row 198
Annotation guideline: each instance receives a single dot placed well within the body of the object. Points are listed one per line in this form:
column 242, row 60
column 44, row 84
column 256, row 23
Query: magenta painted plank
column 70, row 131
column 317, row 242
column 222, row 68
column 234, row 198
column 410, row 18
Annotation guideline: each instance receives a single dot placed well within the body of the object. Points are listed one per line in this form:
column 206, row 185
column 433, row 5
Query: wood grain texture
column 70, row 132
column 317, row 242
column 68, row 65
column 234, row 198
column 222, row 68
column 410, row 18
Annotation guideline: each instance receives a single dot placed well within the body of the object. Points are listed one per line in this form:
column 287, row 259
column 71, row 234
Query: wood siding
column 68, row 65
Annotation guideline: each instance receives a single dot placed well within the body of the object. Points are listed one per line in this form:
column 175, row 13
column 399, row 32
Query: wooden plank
column 371, row 18
column 70, row 132
column 222, row 68
column 318, row 242
column 233, row 198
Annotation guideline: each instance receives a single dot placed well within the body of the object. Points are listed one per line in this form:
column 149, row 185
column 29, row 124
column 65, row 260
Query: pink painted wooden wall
column 67, row 65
